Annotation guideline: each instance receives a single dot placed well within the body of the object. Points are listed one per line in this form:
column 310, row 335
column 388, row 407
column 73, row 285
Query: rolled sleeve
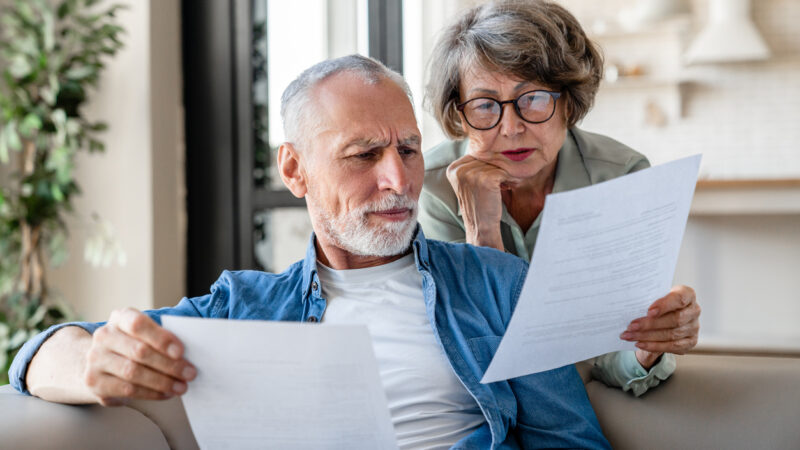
column 19, row 367
column 622, row 369
column 191, row 307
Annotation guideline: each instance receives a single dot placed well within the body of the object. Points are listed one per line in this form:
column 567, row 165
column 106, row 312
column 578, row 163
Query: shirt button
column 313, row 285
column 311, row 319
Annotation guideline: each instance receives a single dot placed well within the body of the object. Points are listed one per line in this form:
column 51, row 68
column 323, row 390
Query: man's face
column 364, row 168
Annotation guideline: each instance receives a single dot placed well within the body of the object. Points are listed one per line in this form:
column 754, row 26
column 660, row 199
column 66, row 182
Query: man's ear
column 292, row 171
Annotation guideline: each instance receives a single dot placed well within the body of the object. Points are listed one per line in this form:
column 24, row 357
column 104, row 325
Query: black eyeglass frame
column 555, row 96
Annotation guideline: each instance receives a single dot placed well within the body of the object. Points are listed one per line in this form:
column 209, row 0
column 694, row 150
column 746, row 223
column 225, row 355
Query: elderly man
column 436, row 311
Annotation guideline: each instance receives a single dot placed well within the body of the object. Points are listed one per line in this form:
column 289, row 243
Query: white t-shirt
column 430, row 408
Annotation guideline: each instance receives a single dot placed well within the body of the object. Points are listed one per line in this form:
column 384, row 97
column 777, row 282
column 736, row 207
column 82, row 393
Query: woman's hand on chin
column 671, row 326
column 478, row 186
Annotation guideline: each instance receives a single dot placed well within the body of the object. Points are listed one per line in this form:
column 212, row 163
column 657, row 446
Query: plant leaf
column 59, row 117
column 49, row 92
column 20, row 67
column 96, row 146
column 48, row 29
column 73, row 127
column 3, row 149
column 65, row 8
column 37, row 316
column 79, row 73
column 48, row 95
column 30, row 124
column 12, row 138
column 58, row 249
column 98, row 127
column 55, row 191
column 25, row 13
column 17, row 339
column 51, row 53
column 27, row 45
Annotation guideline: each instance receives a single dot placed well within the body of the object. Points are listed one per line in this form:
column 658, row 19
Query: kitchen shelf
column 664, row 93
column 673, row 27
column 643, row 82
column 746, row 197
column 748, row 344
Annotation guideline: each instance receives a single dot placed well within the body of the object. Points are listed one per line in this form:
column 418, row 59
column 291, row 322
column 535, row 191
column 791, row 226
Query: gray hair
column 532, row 40
column 296, row 110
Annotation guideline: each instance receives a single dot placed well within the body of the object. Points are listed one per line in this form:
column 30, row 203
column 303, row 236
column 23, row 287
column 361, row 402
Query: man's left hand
column 671, row 326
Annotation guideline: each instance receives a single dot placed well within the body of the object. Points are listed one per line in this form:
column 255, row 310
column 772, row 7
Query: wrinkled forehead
column 352, row 107
column 352, row 92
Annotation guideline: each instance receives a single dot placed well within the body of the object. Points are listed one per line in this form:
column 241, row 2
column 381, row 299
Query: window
column 239, row 56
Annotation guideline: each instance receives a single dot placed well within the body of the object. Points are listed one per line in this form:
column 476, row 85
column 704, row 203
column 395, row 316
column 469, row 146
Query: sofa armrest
column 709, row 402
column 170, row 416
column 29, row 422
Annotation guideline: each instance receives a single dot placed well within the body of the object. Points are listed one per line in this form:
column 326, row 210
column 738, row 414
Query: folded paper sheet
column 604, row 253
column 283, row 385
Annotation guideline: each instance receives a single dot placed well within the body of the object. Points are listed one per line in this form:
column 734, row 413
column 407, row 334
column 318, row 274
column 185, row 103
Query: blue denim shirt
column 470, row 293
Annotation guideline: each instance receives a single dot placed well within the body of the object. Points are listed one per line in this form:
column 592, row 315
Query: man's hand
column 671, row 326
column 478, row 186
column 132, row 357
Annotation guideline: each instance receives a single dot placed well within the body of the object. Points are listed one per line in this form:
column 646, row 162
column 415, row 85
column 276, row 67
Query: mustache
column 391, row 201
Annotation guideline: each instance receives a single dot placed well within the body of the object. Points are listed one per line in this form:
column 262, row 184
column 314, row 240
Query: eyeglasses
column 484, row 113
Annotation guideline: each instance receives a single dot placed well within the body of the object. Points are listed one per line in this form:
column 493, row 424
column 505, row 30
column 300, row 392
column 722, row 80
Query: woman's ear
column 458, row 123
column 291, row 169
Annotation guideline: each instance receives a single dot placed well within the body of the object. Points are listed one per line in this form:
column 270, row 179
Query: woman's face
column 520, row 148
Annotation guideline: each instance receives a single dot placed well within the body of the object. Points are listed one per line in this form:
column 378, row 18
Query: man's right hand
column 133, row 357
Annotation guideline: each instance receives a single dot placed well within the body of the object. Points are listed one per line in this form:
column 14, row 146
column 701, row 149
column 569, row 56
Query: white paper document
column 283, row 385
column 603, row 255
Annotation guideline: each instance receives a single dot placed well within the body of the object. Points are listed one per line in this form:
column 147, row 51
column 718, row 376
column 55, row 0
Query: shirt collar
column 309, row 266
column 571, row 171
column 419, row 245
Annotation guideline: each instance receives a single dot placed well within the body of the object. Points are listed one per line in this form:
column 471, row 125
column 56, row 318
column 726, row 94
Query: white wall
column 422, row 22
column 168, row 151
column 137, row 185
column 741, row 116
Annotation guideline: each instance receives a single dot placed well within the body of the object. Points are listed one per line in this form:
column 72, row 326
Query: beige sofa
column 711, row 402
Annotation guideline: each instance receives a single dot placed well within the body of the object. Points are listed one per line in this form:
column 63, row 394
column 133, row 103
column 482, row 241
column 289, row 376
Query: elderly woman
column 508, row 83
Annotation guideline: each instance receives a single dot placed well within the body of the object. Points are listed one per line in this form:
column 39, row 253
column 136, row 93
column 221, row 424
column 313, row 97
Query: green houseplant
column 51, row 54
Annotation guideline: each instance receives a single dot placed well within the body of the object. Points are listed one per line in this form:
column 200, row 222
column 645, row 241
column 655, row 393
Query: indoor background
column 186, row 187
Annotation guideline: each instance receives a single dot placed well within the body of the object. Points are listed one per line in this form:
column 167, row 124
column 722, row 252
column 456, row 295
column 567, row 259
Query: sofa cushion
column 711, row 402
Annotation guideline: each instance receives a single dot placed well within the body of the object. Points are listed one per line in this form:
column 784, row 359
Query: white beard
column 352, row 232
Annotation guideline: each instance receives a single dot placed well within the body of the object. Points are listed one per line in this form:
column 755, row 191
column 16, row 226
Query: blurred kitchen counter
column 747, row 197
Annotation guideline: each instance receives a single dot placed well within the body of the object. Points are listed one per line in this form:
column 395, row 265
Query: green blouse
column 584, row 159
